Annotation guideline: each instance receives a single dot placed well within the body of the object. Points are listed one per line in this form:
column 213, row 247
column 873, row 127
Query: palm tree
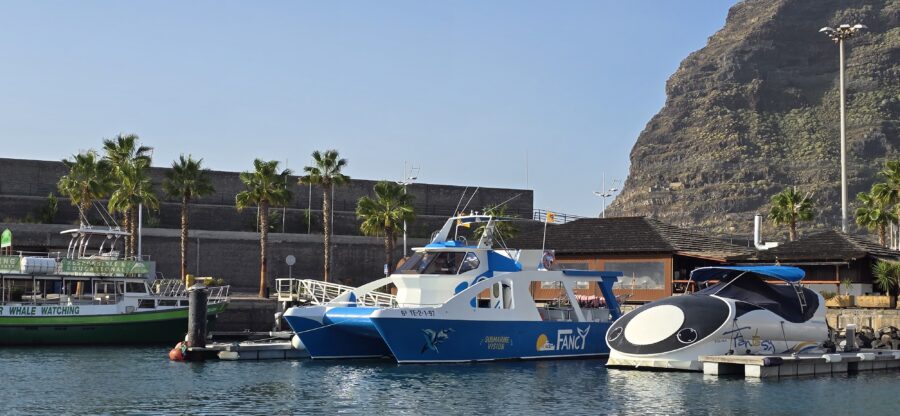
column 889, row 191
column 385, row 214
column 88, row 180
column 327, row 173
column 129, row 162
column 265, row 187
column 503, row 229
column 874, row 212
column 788, row 207
column 187, row 180
column 887, row 275
column 134, row 189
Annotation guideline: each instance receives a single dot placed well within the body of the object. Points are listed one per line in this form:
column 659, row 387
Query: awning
column 785, row 273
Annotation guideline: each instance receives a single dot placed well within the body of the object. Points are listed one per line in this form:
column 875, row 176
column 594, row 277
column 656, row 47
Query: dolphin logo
column 433, row 338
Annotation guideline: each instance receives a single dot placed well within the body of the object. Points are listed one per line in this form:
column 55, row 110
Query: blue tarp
column 785, row 273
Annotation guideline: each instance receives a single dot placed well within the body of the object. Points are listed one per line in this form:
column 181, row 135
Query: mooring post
column 197, row 302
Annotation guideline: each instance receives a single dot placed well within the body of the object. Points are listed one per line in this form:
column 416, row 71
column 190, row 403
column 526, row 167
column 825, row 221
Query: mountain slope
column 757, row 109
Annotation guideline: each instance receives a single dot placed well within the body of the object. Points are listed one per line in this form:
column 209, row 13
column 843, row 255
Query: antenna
column 456, row 210
column 470, row 198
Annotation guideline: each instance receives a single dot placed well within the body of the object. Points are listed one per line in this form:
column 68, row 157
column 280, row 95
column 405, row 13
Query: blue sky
column 464, row 89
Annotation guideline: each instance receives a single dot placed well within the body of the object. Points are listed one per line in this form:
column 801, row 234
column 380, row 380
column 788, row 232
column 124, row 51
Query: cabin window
column 135, row 287
column 146, row 304
column 446, row 263
column 470, row 262
column 416, row 263
column 639, row 274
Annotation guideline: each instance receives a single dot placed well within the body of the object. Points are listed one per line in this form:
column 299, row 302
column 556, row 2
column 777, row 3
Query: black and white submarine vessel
column 741, row 314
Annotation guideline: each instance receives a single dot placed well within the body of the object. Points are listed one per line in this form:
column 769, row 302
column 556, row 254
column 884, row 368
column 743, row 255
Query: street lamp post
column 838, row 36
column 409, row 178
column 606, row 194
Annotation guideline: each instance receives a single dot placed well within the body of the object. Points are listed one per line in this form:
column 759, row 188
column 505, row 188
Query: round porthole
column 614, row 334
column 687, row 335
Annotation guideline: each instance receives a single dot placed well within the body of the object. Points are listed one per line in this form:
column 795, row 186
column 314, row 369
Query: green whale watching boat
column 83, row 297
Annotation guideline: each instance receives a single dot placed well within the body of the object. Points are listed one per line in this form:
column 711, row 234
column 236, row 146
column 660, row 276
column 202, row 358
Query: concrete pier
column 777, row 366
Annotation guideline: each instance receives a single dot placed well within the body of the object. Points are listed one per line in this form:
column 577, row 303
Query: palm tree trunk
column 792, row 233
column 882, row 234
column 263, row 239
column 126, row 223
column 184, row 237
column 387, row 253
column 326, row 225
column 134, row 233
column 392, row 238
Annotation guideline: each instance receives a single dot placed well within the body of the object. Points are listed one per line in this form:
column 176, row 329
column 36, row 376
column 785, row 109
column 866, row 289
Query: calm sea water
column 107, row 380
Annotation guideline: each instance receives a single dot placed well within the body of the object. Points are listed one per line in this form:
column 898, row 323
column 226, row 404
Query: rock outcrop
column 757, row 110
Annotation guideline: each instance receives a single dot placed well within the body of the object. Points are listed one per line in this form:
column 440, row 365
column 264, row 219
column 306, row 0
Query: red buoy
column 178, row 353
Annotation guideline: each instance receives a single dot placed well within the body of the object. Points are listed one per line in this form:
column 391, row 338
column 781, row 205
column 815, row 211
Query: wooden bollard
column 197, row 303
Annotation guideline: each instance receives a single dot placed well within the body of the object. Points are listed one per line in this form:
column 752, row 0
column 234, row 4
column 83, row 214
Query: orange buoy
column 178, row 353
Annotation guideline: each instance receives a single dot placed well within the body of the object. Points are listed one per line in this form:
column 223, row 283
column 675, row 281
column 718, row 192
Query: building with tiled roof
column 829, row 258
column 654, row 256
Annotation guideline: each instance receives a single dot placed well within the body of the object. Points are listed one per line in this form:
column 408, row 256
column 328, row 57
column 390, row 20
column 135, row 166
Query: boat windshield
column 447, row 262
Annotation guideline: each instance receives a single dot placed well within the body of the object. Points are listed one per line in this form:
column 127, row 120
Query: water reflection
column 143, row 381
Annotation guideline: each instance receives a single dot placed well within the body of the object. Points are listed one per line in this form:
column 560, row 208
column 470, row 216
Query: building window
column 563, row 265
column 639, row 274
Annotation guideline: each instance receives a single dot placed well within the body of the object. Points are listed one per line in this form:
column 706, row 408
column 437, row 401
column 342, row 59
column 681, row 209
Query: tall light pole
column 838, row 36
column 606, row 193
column 409, row 178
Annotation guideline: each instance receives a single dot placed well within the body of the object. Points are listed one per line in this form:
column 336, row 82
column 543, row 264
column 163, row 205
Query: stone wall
column 25, row 184
column 874, row 318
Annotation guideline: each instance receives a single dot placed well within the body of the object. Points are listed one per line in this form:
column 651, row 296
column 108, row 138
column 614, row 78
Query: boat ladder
column 318, row 292
column 800, row 296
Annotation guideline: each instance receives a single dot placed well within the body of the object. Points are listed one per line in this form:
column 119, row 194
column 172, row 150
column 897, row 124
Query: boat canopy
column 785, row 273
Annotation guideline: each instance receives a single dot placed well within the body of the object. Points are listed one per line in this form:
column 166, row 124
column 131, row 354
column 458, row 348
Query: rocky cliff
column 757, row 110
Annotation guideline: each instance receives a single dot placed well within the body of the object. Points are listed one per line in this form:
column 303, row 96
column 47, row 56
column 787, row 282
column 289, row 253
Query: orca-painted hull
column 674, row 333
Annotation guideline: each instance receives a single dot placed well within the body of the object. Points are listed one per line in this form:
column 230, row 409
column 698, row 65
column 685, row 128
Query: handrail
column 318, row 292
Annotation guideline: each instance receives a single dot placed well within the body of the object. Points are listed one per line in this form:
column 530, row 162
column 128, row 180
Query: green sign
column 104, row 267
column 9, row 264
column 6, row 238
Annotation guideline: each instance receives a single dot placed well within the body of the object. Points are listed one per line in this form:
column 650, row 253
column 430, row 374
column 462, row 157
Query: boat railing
column 318, row 292
column 175, row 289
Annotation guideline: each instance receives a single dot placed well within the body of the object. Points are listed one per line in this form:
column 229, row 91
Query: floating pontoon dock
column 276, row 347
column 786, row 365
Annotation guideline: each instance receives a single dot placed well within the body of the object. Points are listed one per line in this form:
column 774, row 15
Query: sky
column 542, row 95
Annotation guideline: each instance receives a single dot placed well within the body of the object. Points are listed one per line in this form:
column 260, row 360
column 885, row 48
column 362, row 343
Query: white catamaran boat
column 457, row 302
column 741, row 314
column 92, row 297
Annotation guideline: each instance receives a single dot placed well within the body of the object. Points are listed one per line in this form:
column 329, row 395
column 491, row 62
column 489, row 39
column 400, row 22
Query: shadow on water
column 141, row 380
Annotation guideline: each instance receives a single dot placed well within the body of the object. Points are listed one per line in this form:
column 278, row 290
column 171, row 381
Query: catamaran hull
column 157, row 327
column 414, row 340
column 336, row 333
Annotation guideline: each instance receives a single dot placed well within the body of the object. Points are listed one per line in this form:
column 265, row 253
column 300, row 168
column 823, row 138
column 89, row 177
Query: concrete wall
column 234, row 256
column 257, row 315
column 25, row 184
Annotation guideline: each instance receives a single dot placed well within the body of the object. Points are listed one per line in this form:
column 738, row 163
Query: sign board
column 9, row 264
column 104, row 267
column 290, row 260
column 6, row 238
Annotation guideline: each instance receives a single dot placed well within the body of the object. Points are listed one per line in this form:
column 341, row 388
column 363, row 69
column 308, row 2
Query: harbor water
column 140, row 380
